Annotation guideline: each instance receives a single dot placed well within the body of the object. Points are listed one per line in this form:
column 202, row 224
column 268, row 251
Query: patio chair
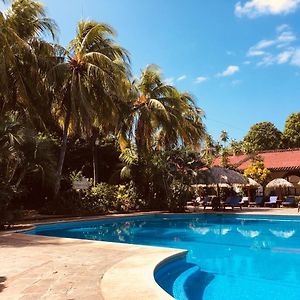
column 245, row 201
column 258, row 201
column 233, row 201
column 206, row 202
column 272, row 201
column 289, row 201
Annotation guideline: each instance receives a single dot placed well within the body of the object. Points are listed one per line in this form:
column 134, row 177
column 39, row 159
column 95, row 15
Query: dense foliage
column 78, row 109
column 258, row 171
column 263, row 136
column 291, row 133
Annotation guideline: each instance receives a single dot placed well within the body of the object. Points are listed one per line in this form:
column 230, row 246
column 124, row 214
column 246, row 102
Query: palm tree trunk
column 95, row 160
column 23, row 173
column 62, row 155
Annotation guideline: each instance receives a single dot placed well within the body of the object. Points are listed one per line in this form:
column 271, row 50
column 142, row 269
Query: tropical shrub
column 127, row 198
column 180, row 194
column 99, row 199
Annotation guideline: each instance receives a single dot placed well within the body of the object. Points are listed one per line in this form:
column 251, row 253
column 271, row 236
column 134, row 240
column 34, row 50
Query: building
column 281, row 163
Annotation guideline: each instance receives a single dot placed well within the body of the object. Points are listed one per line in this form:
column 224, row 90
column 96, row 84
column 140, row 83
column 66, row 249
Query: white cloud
column 255, row 8
column 230, row 70
column 247, row 62
column 284, row 56
column 201, row 79
column 275, row 51
column 253, row 52
column 169, row 81
column 267, row 60
column 182, row 77
column 282, row 40
column 256, row 50
column 286, row 37
column 295, row 60
column 282, row 27
column 264, row 44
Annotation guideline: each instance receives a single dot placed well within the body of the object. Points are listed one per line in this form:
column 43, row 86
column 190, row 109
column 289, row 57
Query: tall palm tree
column 89, row 83
column 24, row 56
column 164, row 116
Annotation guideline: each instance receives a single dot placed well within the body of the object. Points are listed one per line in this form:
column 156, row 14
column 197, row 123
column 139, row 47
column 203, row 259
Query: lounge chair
column 289, row 201
column 206, row 202
column 233, row 201
column 257, row 202
column 245, row 201
column 272, row 201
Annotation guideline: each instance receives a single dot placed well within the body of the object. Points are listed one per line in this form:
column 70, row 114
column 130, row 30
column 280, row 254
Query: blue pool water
column 229, row 256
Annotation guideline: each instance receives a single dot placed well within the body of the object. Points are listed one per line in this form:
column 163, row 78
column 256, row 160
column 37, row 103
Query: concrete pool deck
column 38, row 267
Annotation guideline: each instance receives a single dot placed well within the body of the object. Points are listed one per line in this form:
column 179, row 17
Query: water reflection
column 221, row 231
column 201, row 230
column 248, row 233
column 283, row 234
column 217, row 230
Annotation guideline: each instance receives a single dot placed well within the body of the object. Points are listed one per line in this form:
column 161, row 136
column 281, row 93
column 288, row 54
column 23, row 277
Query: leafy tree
column 263, row 136
column 258, row 171
column 236, row 147
column 291, row 133
column 24, row 154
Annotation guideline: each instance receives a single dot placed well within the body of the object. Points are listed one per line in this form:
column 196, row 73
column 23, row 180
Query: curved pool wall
column 229, row 256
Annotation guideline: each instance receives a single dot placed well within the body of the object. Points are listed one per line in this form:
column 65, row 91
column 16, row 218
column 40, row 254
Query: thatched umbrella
column 279, row 183
column 202, row 185
column 219, row 175
column 253, row 183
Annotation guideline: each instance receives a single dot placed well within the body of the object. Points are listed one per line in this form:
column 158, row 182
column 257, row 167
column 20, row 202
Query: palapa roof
column 277, row 160
column 218, row 175
column 278, row 183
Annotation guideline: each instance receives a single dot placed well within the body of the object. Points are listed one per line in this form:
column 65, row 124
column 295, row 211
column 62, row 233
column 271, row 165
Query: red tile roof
column 280, row 160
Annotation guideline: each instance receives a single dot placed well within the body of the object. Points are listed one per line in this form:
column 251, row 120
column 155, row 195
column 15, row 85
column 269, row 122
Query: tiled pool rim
column 138, row 267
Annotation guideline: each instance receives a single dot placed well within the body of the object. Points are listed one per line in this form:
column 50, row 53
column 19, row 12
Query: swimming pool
column 229, row 256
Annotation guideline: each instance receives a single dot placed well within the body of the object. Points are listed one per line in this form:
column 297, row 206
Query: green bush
column 9, row 214
column 100, row 199
column 180, row 194
column 127, row 198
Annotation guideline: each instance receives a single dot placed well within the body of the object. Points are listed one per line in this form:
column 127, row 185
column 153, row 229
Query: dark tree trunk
column 62, row 155
column 95, row 159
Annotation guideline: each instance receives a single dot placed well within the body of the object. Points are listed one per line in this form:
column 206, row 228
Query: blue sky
column 240, row 59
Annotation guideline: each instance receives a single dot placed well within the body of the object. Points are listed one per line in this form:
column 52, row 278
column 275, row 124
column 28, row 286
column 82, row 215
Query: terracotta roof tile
column 274, row 160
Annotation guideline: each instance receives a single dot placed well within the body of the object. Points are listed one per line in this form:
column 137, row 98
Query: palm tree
column 89, row 84
column 24, row 59
column 164, row 117
column 161, row 119
column 224, row 136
